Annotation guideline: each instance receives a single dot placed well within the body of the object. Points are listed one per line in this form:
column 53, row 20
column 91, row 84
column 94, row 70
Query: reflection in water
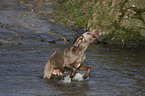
column 115, row 71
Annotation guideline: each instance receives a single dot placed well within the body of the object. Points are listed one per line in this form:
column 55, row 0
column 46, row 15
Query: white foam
column 66, row 79
column 78, row 77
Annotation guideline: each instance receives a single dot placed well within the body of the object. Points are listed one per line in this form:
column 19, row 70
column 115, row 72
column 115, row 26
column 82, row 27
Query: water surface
column 116, row 71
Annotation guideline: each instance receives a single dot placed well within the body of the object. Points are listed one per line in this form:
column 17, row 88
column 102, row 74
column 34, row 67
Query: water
column 77, row 77
column 116, row 70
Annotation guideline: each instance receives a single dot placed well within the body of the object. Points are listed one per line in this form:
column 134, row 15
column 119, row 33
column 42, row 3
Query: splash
column 77, row 77
column 66, row 79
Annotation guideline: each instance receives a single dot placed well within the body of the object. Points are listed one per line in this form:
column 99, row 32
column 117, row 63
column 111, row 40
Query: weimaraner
column 71, row 58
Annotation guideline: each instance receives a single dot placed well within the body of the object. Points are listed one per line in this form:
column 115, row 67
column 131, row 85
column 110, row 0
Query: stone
column 143, row 16
column 64, row 32
column 79, row 31
column 142, row 32
column 1, row 24
column 7, row 42
column 23, row 32
column 49, row 37
column 6, row 34
column 132, row 23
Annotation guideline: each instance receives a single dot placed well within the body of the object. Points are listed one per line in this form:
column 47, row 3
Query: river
column 116, row 70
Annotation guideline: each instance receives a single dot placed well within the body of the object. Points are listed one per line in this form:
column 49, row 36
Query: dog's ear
column 77, row 43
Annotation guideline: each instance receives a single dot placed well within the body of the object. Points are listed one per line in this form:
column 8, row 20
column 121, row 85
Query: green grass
column 99, row 15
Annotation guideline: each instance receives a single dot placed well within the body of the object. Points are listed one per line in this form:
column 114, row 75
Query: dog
column 71, row 58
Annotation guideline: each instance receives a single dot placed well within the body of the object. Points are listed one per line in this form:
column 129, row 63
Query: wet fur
column 71, row 58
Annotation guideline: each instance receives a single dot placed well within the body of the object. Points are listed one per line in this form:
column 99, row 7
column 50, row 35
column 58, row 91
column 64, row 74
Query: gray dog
column 71, row 58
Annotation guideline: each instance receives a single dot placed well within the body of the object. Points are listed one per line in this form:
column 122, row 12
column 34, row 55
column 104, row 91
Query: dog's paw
column 85, row 76
column 57, row 72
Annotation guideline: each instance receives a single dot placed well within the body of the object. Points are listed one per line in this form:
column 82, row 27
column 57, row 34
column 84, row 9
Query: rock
column 7, row 42
column 30, row 42
column 143, row 16
column 22, row 7
column 61, row 42
column 1, row 43
column 142, row 32
column 46, row 17
column 6, row 34
column 23, row 32
column 52, row 38
column 1, row 24
column 64, row 31
column 80, row 31
column 69, row 36
column 130, row 23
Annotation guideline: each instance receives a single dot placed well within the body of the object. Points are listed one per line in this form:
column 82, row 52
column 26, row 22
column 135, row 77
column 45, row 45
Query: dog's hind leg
column 83, row 67
column 73, row 73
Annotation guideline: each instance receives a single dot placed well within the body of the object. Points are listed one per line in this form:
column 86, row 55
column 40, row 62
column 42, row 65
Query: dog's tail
column 48, row 69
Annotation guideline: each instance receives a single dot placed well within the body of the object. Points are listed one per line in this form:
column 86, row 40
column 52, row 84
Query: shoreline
column 113, row 25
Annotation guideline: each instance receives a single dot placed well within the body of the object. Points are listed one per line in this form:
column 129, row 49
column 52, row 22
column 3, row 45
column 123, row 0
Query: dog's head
column 86, row 38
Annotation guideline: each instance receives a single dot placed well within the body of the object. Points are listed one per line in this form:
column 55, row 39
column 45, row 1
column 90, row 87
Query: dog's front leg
column 83, row 67
column 73, row 73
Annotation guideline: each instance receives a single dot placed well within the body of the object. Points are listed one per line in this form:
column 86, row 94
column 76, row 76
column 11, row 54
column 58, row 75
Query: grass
column 103, row 15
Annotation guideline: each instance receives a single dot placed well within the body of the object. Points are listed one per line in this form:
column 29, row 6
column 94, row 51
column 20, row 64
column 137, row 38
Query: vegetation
column 119, row 21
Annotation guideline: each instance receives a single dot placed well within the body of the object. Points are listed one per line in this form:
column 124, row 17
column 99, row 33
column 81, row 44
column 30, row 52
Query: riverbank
column 30, row 22
column 119, row 22
column 63, row 21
